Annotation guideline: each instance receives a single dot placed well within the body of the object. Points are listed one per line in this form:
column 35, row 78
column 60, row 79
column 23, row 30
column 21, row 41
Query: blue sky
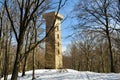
column 66, row 11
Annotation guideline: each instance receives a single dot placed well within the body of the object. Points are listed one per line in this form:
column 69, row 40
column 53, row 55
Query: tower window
column 58, row 36
column 58, row 51
column 57, row 28
column 58, row 44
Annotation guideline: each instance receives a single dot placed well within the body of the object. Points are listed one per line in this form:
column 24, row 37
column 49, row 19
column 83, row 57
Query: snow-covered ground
column 67, row 74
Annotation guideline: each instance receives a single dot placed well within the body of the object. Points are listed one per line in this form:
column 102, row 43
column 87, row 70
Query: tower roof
column 53, row 14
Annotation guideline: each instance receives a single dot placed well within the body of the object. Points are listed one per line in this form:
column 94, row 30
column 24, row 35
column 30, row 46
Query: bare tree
column 26, row 10
column 88, row 53
column 95, row 17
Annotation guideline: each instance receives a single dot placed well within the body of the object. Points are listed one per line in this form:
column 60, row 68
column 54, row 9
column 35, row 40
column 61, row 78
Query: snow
column 67, row 74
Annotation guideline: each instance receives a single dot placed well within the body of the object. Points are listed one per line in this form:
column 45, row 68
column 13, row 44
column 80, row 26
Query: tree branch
column 11, row 21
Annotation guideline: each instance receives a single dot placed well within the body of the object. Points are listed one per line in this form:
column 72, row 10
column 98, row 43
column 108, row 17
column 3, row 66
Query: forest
column 95, row 41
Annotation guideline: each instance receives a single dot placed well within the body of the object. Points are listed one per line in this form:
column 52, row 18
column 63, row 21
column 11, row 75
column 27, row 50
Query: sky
column 66, row 11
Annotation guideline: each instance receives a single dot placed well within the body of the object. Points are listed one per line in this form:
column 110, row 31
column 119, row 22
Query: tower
column 53, row 54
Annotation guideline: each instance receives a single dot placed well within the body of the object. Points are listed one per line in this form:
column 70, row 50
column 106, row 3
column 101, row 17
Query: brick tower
column 53, row 54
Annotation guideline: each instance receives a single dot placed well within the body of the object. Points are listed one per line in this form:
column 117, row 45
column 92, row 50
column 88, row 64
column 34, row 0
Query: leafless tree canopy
column 97, row 35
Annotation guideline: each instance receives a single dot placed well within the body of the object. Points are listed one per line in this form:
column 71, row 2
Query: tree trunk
column 16, row 64
column 109, row 40
column 24, row 62
column 6, row 59
column 33, row 75
column 0, row 47
column 6, row 63
column 111, row 55
column 24, row 65
column 18, row 55
column 35, row 40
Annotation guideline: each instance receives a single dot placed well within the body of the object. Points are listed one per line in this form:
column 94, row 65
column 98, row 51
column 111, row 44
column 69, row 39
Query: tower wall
column 53, row 55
